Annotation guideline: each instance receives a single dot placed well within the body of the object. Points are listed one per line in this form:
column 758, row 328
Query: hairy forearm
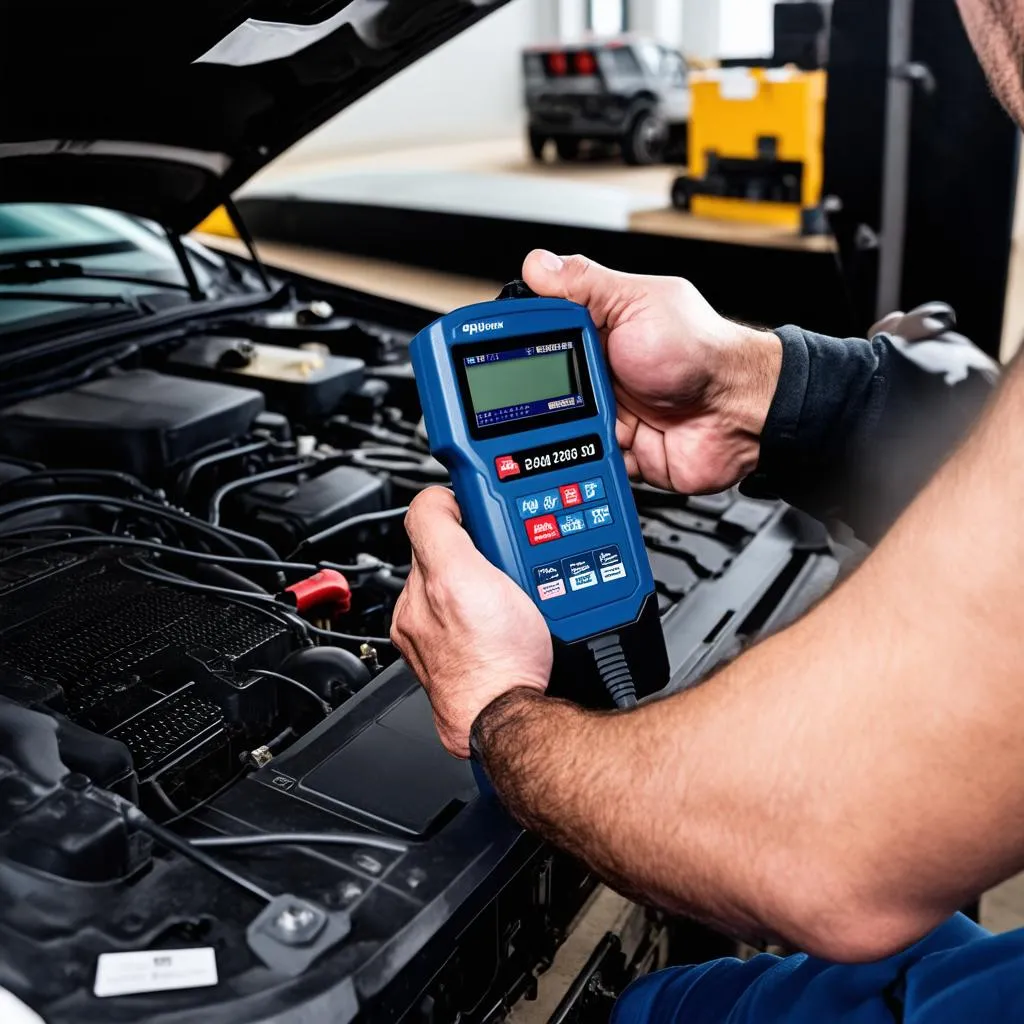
column 546, row 758
column 646, row 800
column 845, row 784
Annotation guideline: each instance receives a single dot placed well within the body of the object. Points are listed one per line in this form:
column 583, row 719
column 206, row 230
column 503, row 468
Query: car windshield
column 68, row 250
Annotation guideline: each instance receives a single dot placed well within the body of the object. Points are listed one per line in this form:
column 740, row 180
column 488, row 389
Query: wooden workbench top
column 677, row 224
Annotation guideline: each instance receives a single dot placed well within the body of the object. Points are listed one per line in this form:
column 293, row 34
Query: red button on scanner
column 571, row 495
column 506, row 467
column 542, row 529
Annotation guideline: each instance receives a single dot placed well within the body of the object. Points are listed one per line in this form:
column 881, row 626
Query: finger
column 625, row 425
column 404, row 620
column 651, row 459
column 434, row 525
column 578, row 279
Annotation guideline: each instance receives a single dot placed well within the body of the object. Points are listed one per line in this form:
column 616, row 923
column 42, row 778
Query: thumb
column 434, row 525
column 604, row 292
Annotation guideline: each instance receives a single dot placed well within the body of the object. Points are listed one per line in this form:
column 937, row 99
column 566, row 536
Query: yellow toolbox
column 757, row 147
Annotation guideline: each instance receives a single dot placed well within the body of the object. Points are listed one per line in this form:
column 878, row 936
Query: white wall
column 708, row 28
column 470, row 88
column 572, row 19
column 746, row 28
column 660, row 19
column 701, row 28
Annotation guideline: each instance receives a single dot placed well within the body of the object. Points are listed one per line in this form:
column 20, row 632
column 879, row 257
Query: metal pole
column 896, row 162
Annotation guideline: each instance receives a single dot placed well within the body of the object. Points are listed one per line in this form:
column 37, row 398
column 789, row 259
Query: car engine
column 163, row 532
column 201, row 546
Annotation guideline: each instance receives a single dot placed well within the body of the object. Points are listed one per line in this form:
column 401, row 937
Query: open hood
column 163, row 109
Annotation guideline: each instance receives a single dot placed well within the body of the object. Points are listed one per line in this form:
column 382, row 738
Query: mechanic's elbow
column 838, row 925
column 865, row 938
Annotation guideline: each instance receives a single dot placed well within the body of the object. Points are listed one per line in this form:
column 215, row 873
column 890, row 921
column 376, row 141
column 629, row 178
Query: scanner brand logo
column 483, row 327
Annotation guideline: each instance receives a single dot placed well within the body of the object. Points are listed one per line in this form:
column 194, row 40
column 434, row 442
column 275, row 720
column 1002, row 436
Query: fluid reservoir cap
column 315, row 313
column 237, row 356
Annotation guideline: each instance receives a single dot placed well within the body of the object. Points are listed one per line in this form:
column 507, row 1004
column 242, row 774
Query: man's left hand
column 468, row 631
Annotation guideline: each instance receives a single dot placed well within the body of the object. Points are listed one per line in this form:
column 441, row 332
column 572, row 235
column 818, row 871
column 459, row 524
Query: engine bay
column 161, row 522
column 201, row 546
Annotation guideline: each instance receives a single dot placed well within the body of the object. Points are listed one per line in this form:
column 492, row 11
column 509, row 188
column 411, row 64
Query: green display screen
column 518, row 382
column 524, row 383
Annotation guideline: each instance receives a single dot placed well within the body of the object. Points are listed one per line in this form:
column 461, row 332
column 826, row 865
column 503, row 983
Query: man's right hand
column 693, row 388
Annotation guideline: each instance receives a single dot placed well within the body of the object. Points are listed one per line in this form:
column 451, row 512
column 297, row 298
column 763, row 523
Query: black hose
column 224, row 536
column 330, row 634
column 187, row 477
column 295, row 684
column 213, row 511
column 315, row 467
column 348, row 524
column 129, row 482
column 99, row 539
column 302, row 838
column 174, row 842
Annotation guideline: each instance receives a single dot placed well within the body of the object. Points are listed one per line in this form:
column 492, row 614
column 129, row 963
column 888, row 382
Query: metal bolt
column 368, row 656
column 257, row 758
column 295, row 919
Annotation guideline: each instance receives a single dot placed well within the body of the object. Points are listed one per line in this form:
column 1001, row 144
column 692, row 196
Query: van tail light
column 585, row 63
column 558, row 64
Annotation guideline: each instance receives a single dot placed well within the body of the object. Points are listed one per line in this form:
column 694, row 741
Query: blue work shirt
column 959, row 974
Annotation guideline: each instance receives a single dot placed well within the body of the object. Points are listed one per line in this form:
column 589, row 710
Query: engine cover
column 139, row 422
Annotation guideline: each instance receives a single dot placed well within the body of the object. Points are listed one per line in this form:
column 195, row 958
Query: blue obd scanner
column 518, row 405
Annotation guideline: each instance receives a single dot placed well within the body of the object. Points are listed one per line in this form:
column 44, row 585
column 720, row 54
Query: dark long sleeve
column 857, row 427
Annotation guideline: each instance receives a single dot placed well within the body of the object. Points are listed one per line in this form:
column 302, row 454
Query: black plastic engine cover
column 284, row 513
column 139, row 422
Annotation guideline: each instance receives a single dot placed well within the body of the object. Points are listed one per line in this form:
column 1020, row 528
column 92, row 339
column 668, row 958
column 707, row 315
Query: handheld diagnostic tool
column 519, row 407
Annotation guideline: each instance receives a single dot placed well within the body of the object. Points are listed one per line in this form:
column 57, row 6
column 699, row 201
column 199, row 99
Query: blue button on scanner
column 601, row 515
column 539, row 504
column 572, row 522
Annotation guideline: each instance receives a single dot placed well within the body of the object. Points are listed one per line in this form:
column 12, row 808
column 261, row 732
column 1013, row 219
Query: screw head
column 295, row 919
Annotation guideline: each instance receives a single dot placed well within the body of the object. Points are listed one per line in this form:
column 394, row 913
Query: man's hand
column 693, row 388
column 469, row 633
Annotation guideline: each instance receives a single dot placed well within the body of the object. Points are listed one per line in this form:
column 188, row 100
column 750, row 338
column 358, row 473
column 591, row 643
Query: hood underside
column 163, row 110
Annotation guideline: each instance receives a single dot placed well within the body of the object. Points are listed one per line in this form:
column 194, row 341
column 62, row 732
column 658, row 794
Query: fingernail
column 549, row 261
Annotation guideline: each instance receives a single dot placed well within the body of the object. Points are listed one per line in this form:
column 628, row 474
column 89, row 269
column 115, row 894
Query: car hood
column 164, row 109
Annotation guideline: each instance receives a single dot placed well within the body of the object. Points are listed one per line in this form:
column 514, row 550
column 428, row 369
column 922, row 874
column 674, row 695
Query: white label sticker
column 584, row 580
column 155, row 970
column 613, row 572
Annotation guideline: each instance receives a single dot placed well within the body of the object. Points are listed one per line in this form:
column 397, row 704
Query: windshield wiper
column 121, row 299
column 39, row 270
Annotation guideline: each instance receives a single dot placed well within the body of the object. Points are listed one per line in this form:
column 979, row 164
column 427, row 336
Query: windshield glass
column 100, row 242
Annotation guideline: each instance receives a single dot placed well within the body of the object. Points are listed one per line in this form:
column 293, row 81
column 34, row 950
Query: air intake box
column 139, row 422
